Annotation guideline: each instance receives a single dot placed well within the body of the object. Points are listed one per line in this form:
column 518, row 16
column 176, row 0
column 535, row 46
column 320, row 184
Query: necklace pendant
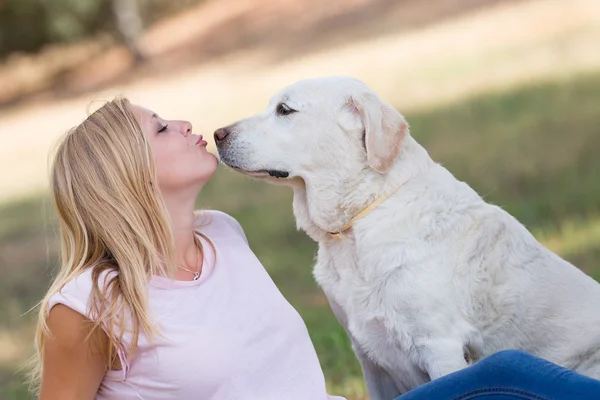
column 196, row 275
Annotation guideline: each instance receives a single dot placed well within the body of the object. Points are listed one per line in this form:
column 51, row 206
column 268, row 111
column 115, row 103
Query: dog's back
column 523, row 296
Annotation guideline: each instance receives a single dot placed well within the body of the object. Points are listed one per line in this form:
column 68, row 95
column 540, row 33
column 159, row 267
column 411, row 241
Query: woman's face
column 182, row 161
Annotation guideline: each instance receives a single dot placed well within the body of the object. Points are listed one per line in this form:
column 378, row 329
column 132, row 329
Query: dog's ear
column 385, row 129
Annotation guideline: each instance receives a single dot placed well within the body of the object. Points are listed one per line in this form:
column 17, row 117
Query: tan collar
column 364, row 212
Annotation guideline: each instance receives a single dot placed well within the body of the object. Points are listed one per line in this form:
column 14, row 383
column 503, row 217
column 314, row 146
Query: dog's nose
column 221, row 134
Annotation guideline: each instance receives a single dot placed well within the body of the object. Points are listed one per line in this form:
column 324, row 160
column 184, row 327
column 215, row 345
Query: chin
column 210, row 173
column 209, row 166
column 203, row 176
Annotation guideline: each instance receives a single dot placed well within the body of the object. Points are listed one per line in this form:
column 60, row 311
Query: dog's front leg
column 379, row 384
column 442, row 357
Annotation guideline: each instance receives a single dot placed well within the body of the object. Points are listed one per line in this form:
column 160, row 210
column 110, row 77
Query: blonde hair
column 112, row 218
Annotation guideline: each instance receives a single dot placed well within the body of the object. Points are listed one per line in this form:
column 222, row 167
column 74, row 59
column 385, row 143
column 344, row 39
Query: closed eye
column 164, row 128
column 284, row 109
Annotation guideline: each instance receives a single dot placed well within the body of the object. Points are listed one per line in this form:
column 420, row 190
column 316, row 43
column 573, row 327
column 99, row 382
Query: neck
column 328, row 204
column 180, row 207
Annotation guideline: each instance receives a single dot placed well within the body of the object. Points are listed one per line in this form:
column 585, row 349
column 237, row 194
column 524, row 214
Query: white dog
column 424, row 275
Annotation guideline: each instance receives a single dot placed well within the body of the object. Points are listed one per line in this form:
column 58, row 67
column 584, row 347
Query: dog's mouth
column 257, row 173
column 262, row 173
column 277, row 173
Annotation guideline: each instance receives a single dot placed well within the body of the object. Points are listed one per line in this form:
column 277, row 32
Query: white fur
column 434, row 278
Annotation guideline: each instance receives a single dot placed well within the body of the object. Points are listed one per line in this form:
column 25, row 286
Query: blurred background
column 506, row 94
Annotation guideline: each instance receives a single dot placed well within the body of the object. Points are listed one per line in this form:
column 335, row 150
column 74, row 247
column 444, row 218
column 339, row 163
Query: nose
column 187, row 128
column 221, row 134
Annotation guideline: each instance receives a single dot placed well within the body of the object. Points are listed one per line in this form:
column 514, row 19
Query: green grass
column 534, row 151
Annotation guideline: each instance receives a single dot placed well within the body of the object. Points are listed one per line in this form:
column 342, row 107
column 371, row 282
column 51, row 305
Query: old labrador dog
column 425, row 276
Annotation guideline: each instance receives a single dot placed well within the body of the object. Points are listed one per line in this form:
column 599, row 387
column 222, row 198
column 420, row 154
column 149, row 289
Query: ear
column 385, row 130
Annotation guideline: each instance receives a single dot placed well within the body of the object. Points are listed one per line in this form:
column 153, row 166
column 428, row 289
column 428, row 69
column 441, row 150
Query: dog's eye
column 284, row 109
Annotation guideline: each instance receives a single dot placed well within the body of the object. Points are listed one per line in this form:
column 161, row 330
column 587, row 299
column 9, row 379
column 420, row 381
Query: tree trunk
column 129, row 25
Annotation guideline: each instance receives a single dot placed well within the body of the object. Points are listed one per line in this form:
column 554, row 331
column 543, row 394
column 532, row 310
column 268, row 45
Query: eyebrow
column 154, row 115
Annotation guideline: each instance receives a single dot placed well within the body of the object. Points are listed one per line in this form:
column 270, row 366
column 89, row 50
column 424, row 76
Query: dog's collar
column 364, row 212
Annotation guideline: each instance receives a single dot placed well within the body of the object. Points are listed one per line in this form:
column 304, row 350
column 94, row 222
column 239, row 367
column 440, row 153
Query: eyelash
column 284, row 109
column 164, row 128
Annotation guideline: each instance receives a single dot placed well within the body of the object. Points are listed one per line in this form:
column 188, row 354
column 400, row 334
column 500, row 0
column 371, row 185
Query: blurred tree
column 129, row 25
column 28, row 25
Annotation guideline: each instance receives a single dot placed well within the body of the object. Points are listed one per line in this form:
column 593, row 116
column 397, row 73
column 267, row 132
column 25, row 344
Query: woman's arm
column 73, row 366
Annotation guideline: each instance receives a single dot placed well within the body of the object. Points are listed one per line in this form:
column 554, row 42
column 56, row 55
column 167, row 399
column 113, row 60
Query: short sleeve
column 69, row 301
column 75, row 294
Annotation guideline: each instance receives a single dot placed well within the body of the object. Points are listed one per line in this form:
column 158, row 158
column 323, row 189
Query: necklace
column 195, row 273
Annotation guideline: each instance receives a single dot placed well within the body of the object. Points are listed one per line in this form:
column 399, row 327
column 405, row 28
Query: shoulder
column 68, row 327
column 74, row 343
column 220, row 223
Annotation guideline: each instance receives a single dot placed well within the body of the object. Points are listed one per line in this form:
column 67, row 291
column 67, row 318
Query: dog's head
column 315, row 127
column 329, row 138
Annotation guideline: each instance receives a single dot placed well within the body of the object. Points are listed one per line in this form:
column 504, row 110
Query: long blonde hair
column 112, row 219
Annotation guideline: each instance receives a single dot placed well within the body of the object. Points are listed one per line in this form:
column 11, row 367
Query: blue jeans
column 509, row 375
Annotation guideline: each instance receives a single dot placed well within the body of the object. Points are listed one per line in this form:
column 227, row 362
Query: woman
column 156, row 301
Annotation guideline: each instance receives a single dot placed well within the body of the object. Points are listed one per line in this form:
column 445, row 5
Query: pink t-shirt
column 229, row 335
